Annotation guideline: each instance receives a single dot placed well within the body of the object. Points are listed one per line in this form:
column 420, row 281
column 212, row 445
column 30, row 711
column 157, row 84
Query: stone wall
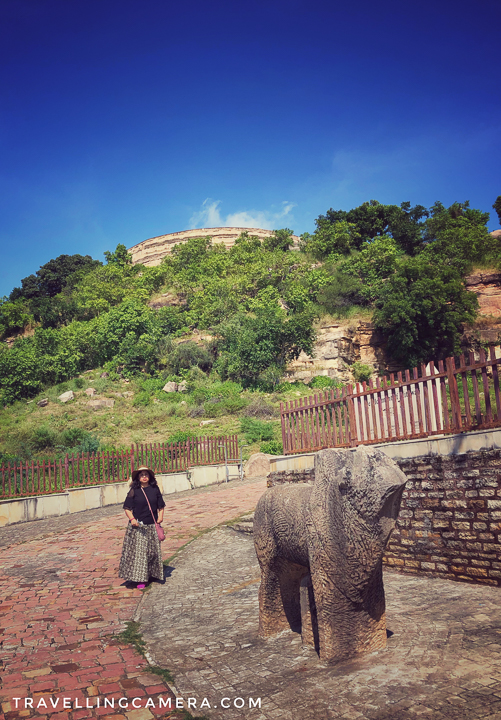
column 450, row 518
column 153, row 250
column 449, row 523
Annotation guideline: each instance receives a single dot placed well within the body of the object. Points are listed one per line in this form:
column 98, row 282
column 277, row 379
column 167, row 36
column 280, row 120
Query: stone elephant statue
column 320, row 549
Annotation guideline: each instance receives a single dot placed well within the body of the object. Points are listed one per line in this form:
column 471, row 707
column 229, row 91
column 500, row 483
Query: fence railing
column 84, row 469
column 455, row 395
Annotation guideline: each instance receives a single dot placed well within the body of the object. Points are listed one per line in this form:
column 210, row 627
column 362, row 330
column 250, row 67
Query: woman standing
column 141, row 554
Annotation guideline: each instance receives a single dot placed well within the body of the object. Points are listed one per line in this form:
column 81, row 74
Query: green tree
column 251, row 344
column 53, row 276
column 457, row 236
column 422, row 309
column 280, row 240
column 338, row 238
column 119, row 257
column 373, row 219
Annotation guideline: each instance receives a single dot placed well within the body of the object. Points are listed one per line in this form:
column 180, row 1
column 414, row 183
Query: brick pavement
column 61, row 604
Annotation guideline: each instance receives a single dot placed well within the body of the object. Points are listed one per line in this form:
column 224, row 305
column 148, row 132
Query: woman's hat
column 143, row 467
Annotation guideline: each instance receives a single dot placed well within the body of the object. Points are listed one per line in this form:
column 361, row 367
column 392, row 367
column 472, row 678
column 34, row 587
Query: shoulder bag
column 159, row 528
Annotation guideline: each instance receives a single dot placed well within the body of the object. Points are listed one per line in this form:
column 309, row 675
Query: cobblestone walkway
column 61, row 603
column 442, row 662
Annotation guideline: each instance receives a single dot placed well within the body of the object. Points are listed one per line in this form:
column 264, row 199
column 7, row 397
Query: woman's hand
column 134, row 522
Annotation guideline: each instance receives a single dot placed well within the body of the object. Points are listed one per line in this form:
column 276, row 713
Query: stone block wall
column 450, row 518
column 449, row 523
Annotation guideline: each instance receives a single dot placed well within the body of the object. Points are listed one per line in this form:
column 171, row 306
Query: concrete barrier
column 444, row 445
column 74, row 500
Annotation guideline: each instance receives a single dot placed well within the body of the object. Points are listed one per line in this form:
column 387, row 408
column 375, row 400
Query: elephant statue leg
column 279, row 597
column 347, row 628
column 309, row 622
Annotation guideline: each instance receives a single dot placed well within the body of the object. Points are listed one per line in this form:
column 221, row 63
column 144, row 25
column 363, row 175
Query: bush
column 180, row 436
column 80, row 441
column 272, row 447
column 321, row 382
column 256, row 430
column 186, row 356
column 141, row 399
column 259, row 408
column 43, row 437
column 361, row 372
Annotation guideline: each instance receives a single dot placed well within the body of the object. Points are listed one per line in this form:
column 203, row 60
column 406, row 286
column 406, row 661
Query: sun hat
column 138, row 470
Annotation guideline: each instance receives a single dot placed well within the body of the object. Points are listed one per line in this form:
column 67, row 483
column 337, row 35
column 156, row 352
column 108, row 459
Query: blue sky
column 125, row 119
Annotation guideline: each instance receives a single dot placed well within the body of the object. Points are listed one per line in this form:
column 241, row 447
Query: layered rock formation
column 487, row 288
column 153, row 250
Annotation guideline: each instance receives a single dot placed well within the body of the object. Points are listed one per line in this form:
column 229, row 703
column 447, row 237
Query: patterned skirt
column 141, row 555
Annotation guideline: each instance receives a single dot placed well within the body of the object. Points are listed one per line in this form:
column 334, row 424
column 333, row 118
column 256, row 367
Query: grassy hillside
column 227, row 322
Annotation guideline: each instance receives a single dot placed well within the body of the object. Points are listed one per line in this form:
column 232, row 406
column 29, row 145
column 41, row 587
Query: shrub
column 361, row 372
column 43, row 437
column 321, row 382
column 180, row 436
column 256, row 430
column 141, row 399
column 80, row 441
column 259, row 408
column 272, row 447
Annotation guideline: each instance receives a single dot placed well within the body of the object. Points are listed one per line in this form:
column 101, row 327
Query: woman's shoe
column 141, row 586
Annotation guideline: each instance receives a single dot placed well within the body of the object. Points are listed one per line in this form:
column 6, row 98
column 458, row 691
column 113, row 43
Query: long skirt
column 141, row 555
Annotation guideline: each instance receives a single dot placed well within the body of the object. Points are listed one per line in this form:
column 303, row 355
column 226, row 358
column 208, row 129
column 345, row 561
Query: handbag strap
column 151, row 511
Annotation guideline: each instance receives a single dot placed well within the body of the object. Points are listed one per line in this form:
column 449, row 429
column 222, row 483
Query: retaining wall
column 14, row 511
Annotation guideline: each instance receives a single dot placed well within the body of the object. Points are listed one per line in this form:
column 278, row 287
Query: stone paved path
column 442, row 662
column 61, row 603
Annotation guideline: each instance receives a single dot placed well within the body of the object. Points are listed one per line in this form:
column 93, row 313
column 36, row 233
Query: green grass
column 125, row 423
column 132, row 636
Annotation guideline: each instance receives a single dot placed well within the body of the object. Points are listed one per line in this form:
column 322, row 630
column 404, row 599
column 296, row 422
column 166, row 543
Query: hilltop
column 229, row 321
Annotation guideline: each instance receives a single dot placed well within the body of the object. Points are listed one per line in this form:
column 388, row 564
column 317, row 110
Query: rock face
column 487, row 288
column 153, row 250
column 43, row 403
column 66, row 396
column 320, row 549
column 337, row 347
column 90, row 392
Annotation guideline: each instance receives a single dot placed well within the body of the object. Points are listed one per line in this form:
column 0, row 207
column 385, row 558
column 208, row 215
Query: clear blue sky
column 125, row 119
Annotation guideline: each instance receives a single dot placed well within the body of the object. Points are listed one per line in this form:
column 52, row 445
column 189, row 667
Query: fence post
column 66, row 472
column 352, row 430
column 454, row 393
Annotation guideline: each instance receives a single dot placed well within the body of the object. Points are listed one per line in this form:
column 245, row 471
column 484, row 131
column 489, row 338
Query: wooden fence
column 81, row 470
column 455, row 395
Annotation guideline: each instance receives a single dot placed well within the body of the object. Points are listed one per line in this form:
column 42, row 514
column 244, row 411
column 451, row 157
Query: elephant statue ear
column 363, row 483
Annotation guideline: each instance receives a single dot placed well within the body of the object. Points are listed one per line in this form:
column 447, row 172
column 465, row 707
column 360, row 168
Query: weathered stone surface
column 66, row 396
column 104, row 375
column 153, row 250
column 167, row 300
column 182, row 386
column 320, row 549
column 258, row 465
column 43, row 403
column 487, row 288
column 337, row 347
column 100, row 403
column 90, row 392
column 206, row 422
column 170, row 387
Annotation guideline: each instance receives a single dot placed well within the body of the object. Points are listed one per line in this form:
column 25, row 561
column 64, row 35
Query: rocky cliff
column 151, row 251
